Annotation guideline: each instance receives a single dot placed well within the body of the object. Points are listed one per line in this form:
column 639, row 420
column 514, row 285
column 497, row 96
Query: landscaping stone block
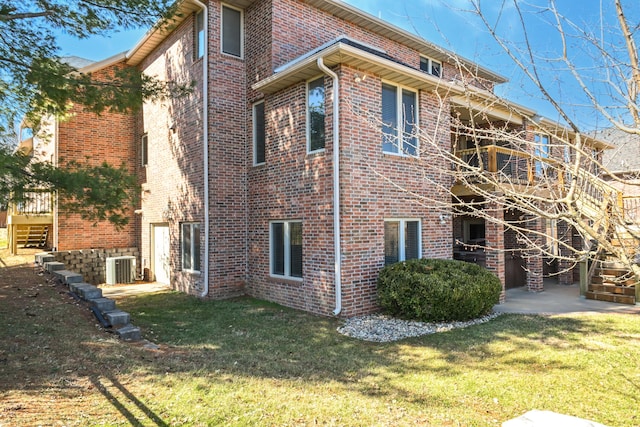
column 53, row 266
column 42, row 257
column 103, row 304
column 117, row 317
column 88, row 292
column 67, row 276
column 129, row 333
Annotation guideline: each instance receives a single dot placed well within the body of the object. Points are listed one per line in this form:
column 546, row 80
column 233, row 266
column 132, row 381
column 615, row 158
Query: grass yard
column 245, row 362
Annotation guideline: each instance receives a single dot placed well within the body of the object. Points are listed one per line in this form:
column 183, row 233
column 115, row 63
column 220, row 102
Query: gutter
column 336, row 186
column 205, row 144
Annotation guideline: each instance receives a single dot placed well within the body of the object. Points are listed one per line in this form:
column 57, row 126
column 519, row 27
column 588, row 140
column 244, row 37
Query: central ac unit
column 121, row 269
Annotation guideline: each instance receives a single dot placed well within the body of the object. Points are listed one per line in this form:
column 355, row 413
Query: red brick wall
column 173, row 178
column 174, row 188
column 96, row 138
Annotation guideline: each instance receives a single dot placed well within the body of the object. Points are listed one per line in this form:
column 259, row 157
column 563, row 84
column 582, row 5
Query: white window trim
column 308, row 127
column 400, row 121
column 255, row 139
column 188, row 270
column 430, row 62
column 402, row 237
column 222, row 6
column 287, row 251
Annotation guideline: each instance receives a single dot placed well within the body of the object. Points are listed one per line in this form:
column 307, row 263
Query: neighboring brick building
column 260, row 212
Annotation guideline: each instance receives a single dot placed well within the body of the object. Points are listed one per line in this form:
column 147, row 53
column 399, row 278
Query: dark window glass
column 231, row 31
column 316, row 107
column 144, row 150
column 391, row 242
column 411, row 240
column 389, row 119
column 277, row 248
column 295, row 236
column 410, row 141
column 259, row 133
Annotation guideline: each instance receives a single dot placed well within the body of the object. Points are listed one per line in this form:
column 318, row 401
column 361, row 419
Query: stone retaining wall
column 91, row 264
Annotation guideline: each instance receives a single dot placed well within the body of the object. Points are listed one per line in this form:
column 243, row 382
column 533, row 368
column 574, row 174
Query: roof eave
column 379, row 26
column 341, row 53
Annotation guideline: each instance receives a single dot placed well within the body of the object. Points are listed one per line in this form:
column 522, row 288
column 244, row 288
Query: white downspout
column 205, row 143
column 54, row 198
column 336, row 186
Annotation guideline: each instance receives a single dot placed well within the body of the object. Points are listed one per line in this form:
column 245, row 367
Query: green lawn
column 246, row 362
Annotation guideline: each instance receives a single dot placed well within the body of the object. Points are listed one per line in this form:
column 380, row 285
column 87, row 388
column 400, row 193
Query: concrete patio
column 557, row 299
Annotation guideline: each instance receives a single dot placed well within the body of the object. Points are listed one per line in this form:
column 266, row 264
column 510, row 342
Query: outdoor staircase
column 32, row 235
column 103, row 308
column 612, row 282
column 608, row 279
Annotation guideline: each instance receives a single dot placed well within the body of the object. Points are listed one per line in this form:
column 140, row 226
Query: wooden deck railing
column 514, row 165
column 34, row 203
column 520, row 167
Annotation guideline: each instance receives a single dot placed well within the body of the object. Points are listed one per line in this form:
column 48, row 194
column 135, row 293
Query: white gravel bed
column 382, row 328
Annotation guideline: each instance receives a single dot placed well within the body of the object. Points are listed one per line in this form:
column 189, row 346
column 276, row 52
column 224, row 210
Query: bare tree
column 539, row 182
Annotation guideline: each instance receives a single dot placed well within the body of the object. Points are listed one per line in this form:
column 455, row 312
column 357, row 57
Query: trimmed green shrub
column 437, row 290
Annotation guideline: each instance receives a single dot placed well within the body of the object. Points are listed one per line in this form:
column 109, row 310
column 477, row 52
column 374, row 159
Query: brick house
column 288, row 152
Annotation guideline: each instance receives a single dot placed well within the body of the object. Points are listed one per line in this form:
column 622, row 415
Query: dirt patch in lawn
column 57, row 365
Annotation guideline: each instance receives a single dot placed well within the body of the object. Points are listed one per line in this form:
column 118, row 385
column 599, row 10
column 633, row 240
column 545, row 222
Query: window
column 315, row 115
column 232, row 31
column 542, row 151
column 401, row 240
column 144, row 150
column 399, row 113
column 190, row 245
column 431, row 66
column 259, row 135
column 199, row 35
column 286, row 249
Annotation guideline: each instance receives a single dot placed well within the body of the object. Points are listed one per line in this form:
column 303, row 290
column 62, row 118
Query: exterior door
column 161, row 269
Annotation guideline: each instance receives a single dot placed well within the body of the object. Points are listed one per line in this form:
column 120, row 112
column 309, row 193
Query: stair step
column 129, row 333
column 67, row 277
column 613, row 289
column 53, row 266
column 103, row 304
column 32, row 235
column 86, row 291
column 42, row 257
column 606, row 296
column 117, row 317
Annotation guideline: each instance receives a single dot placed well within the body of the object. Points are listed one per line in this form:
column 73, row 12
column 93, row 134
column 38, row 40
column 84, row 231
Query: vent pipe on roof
column 336, row 186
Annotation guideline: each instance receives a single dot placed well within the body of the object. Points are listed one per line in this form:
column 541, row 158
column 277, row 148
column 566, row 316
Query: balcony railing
column 515, row 166
column 33, row 203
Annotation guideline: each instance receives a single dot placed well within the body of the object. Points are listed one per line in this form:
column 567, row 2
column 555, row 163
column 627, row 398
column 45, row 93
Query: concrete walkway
column 557, row 299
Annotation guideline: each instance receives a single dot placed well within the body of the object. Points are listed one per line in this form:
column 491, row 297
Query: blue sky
column 445, row 22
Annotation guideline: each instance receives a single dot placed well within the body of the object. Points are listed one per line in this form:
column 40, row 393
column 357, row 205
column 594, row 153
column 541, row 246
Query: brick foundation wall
column 91, row 263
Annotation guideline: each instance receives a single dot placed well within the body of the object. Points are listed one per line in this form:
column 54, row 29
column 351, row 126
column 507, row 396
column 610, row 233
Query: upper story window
column 431, row 66
column 399, row 120
column 144, row 150
column 401, row 240
column 199, row 34
column 232, row 39
column 315, row 115
column 259, row 134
